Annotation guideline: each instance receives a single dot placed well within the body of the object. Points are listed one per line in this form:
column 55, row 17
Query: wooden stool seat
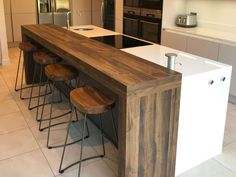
column 90, row 100
column 27, row 47
column 60, row 72
column 45, row 58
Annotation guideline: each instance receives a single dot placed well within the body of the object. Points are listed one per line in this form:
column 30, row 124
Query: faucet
column 68, row 19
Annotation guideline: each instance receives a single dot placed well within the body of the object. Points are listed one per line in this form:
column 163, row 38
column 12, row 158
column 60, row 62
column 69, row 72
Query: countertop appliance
column 142, row 19
column 187, row 20
column 120, row 41
column 103, row 14
column 53, row 11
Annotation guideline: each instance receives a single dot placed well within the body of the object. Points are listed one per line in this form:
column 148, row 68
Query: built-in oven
column 131, row 21
column 132, row 3
column 151, row 4
column 150, row 25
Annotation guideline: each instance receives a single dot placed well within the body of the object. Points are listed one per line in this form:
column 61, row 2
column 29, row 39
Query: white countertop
column 217, row 35
column 95, row 32
column 187, row 64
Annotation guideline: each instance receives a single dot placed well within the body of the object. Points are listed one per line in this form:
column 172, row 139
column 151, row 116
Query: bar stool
column 56, row 73
column 24, row 47
column 88, row 100
column 41, row 58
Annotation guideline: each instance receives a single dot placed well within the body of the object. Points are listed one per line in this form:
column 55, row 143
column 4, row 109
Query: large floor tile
column 227, row 158
column 8, row 106
column 32, row 164
column 5, row 95
column 57, row 135
column 97, row 168
column 16, row 143
column 71, row 155
column 210, row 168
column 12, row 122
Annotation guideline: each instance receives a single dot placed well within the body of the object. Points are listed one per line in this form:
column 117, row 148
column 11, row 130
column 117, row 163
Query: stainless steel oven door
column 150, row 31
column 130, row 26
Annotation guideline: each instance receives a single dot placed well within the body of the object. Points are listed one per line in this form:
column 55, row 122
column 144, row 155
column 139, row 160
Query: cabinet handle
column 211, row 82
column 222, row 79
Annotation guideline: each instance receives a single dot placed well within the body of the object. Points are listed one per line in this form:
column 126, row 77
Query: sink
column 84, row 29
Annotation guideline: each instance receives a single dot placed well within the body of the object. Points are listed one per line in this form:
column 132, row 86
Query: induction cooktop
column 120, row 41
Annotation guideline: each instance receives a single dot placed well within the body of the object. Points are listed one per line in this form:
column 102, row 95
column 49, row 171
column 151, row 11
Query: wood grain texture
column 148, row 98
column 117, row 68
column 60, row 72
column 90, row 100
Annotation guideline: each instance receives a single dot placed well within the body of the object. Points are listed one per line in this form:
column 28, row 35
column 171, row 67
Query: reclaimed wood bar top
column 128, row 72
column 148, row 97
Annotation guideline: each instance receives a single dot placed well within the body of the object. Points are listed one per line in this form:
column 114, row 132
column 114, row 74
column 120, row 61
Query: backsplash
column 214, row 13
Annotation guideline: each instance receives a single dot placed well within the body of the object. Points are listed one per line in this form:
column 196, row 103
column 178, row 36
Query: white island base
column 203, row 104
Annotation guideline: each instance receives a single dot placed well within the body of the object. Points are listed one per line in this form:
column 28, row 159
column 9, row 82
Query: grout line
column 20, row 154
column 224, row 166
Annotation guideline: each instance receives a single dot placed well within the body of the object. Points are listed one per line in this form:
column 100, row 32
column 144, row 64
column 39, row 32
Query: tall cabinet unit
column 18, row 13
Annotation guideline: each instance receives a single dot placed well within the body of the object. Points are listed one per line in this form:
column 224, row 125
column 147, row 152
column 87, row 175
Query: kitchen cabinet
column 18, row 13
column 193, row 45
column 227, row 54
column 202, row 47
column 203, row 108
column 174, row 40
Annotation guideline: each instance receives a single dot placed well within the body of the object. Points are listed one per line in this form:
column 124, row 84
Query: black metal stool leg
column 31, row 91
column 82, row 144
column 64, row 147
column 43, row 106
column 114, row 125
column 50, row 116
column 17, row 73
column 22, row 78
column 102, row 136
column 39, row 92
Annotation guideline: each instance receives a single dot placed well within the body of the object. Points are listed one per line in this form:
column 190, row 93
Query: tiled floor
column 23, row 152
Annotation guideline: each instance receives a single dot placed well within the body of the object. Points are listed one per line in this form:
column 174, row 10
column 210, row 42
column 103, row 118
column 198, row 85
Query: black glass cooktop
column 121, row 41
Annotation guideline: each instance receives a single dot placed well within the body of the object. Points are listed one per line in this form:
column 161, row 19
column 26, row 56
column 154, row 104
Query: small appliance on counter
column 187, row 20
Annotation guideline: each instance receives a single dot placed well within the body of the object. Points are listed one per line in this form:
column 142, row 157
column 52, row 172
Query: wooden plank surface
column 128, row 72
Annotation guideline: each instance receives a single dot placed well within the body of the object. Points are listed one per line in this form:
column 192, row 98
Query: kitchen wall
column 170, row 10
column 81, row 10
column 3, row 37
column 219, row 12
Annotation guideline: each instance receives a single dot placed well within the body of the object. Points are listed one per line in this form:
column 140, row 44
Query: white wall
column 81, row 10
column 4, row 58
column 219, row 12
column 171, row 8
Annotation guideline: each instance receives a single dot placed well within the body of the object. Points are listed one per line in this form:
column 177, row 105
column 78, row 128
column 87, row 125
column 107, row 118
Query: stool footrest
column 68, row 144
column 89, row 158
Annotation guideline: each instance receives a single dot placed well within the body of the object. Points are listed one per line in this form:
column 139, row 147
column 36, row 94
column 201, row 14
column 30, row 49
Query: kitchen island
column 203, row 104
column 148, row 97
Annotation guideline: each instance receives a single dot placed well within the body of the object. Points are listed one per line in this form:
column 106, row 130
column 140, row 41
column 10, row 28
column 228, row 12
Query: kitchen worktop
column 186, row 63
column 221, row 35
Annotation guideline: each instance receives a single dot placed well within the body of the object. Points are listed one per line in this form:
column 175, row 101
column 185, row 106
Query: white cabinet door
column 202, row 117
column 23, row 6
column 203, row 48
column 227, row 55
column 21, row 19
column 173, row 40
